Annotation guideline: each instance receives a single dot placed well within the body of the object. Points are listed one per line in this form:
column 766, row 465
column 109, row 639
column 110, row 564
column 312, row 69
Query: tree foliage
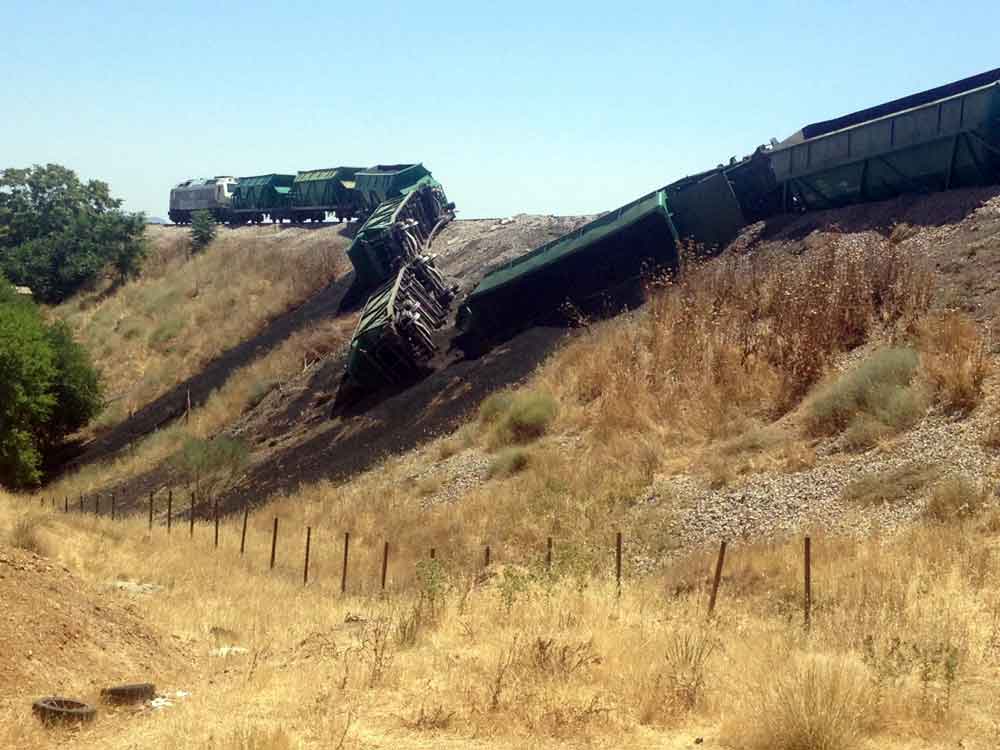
column 58, row 233
column 202, row 230
column 48, row 387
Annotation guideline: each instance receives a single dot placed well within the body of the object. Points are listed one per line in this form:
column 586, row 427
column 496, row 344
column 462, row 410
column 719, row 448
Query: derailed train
column 942, row 138
column 945, row 137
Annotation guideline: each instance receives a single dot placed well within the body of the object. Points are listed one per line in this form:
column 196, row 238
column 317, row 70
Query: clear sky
column 539, row 107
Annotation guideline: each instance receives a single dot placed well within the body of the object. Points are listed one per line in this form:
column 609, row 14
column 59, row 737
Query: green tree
column 48, row 387
column 58, row 233
column 202, row 230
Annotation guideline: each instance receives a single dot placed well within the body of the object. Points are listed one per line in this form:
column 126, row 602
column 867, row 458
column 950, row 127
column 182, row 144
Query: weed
column 956, row 360
column 25, row 536
column 955, row 497
column 508, row 462
column 891, row 486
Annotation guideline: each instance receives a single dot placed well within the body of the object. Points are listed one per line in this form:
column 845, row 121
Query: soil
column 60, row 636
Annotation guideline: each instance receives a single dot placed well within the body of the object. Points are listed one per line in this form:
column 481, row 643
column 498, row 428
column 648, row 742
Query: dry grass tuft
column 24, row 535
column 955, row 497
column 892, row 486
column 956, row 360
column 808, row 702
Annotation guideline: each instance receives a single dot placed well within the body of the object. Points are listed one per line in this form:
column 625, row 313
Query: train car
column 945, row 137
column 603, row 256
column 318, row 192
column 213, row 195
column 261, row 196
column 394, row 336
column 411, row 208
column 384, row 181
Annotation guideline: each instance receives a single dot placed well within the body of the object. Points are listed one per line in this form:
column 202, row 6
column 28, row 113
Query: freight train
column 942, row 138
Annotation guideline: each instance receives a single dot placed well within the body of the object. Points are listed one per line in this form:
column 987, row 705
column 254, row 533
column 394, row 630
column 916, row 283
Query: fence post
column 807, row 603
column 66, row 509
column 170, row 509
column 41, row 501
column 343, row 572
column 548, row 555
column 215, row 513
column 486, row 557
column 718, row 577
column 305, row 570
column 385, row 562
column 97, row 504
column 112, row 506
column 243, row 536
column 191, row 522
column 81, row 505
column 151, row 493
column 433, row 553
column 274, row 541
column 618, row 562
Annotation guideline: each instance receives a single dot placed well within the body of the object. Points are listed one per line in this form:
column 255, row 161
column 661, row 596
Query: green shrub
column 494, row 406
column 877, row 398
column 508, row 462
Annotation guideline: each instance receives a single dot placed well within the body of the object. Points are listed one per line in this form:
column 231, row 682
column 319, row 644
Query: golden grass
column 904, row 642
column 160, row 329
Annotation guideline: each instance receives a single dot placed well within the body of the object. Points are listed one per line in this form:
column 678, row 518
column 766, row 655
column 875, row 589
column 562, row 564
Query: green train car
column 260, row 196
column 318, row 192
column 411, row 207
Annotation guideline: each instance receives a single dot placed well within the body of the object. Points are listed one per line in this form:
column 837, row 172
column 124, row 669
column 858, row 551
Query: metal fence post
column 151, row 493
column 618, row 562
column 243, row 536
column 807, row 603
column 486, row 557
column 717, row 578
column 385, row 563
column 343, row 572
column 191, row 522
column 548, row 555
column 274, row 541
column 305, row 569
column 170, row 509
column 215, row 513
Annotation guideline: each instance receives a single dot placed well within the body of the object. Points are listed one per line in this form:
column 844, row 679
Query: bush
column 493, row 406
column 955, row 497
column 202, row 230
column 876, row 398
column 508, row 462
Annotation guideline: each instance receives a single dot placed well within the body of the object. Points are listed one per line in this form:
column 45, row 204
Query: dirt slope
column 61, row 636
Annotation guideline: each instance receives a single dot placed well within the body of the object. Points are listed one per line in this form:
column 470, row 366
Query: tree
column 48, row 387
column 202, row 230
column 58, row 234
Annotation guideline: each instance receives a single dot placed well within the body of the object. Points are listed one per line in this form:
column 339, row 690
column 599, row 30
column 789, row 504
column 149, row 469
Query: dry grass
column 956, row 359
column 891, row 486
column 903, row 644
column 165, row 326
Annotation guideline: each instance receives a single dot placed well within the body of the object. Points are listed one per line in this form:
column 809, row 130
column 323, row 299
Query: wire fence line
column 111, row 510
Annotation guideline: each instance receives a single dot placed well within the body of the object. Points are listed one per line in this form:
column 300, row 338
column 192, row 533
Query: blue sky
column 516, row 106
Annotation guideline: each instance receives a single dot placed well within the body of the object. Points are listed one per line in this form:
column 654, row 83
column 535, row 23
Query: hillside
column 832, row 374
